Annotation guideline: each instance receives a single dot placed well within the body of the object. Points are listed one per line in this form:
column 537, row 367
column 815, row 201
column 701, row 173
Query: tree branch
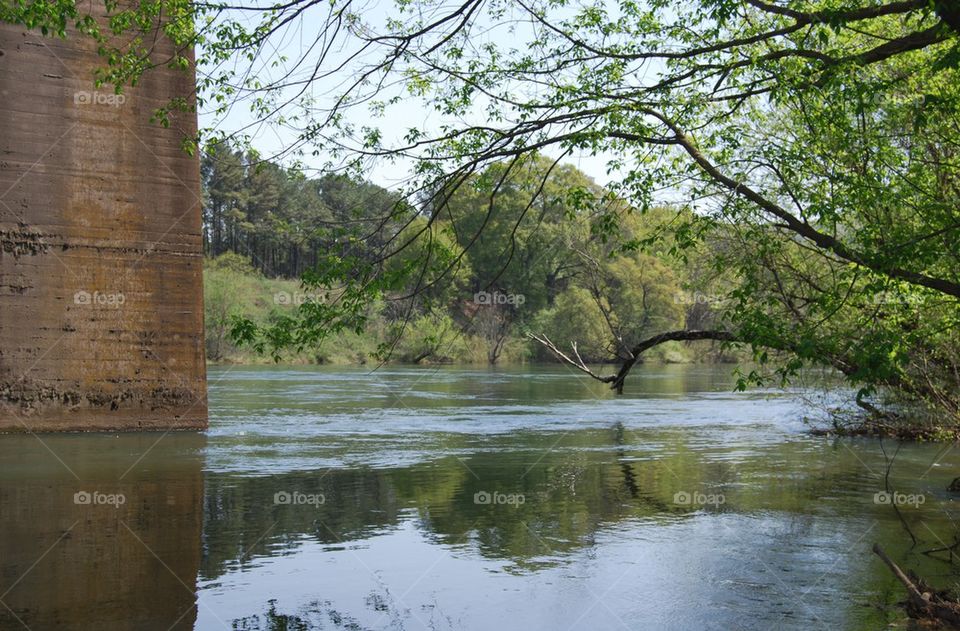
column 577, row 363
column 617, row 380
column 656, row 340
column 797, row 226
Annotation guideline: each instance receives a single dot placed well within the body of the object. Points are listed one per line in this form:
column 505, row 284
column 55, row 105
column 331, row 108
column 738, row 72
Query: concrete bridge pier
column 101, row 308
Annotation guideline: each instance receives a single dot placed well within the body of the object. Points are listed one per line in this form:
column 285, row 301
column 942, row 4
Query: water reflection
column 92, row 541
column 602, row 522
column 465, row 500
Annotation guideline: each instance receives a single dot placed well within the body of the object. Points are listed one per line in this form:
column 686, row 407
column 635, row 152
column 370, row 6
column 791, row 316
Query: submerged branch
column 618, row 379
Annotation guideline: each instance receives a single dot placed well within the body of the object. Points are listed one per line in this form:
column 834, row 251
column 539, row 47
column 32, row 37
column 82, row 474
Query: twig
column 886, row 486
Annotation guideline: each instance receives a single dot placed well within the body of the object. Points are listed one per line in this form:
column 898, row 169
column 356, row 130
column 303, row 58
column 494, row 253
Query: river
column 458, row 498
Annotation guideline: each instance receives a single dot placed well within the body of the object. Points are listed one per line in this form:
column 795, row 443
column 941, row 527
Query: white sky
column 411, row 112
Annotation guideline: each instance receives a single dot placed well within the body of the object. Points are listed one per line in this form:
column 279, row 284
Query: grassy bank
column 233, row 288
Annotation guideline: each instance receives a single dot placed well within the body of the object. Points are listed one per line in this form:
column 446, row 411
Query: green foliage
column 575, row 317
column 285, row 222
column 563, row 278
column 519, row 223
column 429, row 338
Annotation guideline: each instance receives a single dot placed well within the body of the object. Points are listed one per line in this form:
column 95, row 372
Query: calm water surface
column 505, row 499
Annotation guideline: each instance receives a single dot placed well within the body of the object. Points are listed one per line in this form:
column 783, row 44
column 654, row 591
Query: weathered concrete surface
column 101, row 310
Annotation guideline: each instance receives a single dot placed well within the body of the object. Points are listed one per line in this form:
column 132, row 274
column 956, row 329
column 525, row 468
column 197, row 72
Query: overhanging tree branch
column 797, row 226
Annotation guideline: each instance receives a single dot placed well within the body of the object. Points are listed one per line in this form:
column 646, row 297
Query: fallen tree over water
column 877, row 421
column 617, row 380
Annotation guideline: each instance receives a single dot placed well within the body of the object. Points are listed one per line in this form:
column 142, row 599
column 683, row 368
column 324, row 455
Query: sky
column 294, row 43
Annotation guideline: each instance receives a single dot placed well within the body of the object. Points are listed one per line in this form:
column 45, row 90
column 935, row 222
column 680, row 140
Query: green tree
column 224, row 299
column 575, row 319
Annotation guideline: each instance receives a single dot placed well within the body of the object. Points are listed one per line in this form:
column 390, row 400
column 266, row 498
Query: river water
column 418, row 498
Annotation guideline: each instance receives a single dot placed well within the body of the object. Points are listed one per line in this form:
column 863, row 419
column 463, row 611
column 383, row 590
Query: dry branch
column 922, row 601
column 618, row 379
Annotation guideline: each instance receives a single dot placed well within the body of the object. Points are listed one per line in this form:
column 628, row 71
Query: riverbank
column 458, row 333
column 867, row 426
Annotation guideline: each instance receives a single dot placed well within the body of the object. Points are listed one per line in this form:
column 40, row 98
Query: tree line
column 474, row 284
column 283, row 221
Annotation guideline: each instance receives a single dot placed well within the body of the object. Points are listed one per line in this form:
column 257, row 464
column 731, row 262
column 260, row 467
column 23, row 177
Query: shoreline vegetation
column 476, row 290
column 233, row 289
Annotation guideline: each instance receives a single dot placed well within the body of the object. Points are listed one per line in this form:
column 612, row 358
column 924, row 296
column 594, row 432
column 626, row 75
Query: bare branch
column 577, row 363
column 618, row 379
